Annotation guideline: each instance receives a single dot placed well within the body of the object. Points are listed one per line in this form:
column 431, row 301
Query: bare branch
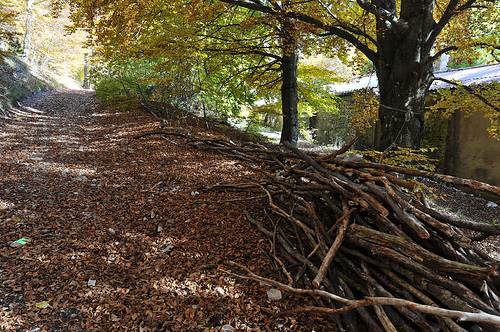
column 368, row 301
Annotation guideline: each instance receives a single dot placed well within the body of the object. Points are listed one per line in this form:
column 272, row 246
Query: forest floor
column 130, row 234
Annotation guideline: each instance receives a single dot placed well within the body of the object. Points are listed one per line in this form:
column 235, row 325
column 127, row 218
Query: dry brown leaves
column 131, row 216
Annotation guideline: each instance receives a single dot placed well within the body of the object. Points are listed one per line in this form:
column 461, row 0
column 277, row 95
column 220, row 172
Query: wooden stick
column 331, row 253
column 368, row 301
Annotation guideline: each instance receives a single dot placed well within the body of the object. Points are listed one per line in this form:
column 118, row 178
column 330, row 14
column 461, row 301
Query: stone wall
column 464, row 146
column 470, row 152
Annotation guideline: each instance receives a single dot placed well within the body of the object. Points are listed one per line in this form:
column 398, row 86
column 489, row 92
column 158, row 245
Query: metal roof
column 467, row 76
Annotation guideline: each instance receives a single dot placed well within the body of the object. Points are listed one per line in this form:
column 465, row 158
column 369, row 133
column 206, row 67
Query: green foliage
column 195, row 86
column 314, row 97
column 121, row 79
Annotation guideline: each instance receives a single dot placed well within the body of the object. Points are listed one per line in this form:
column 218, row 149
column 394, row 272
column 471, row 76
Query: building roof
column 467, row 76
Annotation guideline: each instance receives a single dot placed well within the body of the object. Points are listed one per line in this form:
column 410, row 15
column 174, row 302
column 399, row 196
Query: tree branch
column 368, row 301
column 470, row 90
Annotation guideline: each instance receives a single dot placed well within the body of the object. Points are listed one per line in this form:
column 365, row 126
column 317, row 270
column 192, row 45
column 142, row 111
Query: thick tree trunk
column 403, row 92
column 404, row 71
column 290, row 100
column 289, row 90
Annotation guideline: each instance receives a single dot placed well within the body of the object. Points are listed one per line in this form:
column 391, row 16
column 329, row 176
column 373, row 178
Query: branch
column 449, row 12
column 382, row 13
column 342, row 31
column 368, row 301
column 330, row 255
column 470, row 90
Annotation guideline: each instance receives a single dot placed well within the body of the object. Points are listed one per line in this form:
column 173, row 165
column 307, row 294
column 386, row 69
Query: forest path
column 121, row 232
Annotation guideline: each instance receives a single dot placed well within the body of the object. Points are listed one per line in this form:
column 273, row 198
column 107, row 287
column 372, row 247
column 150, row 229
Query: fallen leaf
column 42, row 305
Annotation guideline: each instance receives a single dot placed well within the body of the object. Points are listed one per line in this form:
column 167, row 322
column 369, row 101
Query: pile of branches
column 361, row 238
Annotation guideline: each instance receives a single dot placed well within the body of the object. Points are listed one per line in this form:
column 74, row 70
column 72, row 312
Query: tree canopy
column 240, row 49
column 402, row 39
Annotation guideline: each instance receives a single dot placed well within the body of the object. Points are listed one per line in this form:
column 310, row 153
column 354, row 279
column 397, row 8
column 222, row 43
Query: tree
column 276, row 43
column 401, row 38
column 208, row 34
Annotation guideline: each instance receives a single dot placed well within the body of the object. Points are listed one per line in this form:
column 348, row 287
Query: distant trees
column 40, row 36
column 8, row 32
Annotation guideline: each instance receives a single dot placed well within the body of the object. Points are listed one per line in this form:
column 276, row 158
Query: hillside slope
column 18, row 81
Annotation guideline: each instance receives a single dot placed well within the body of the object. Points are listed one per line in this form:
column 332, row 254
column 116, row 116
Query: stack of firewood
column 362, row 239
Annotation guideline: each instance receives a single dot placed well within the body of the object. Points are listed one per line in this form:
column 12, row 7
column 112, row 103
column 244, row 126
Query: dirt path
column 122, row 234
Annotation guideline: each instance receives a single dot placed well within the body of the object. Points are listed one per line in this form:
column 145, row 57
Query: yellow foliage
column 459, row 99
column 404, row 157
column 366, row 105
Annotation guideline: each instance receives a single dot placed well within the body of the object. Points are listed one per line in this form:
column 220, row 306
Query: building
column 468, row 151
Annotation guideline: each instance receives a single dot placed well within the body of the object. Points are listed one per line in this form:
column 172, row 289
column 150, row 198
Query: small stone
column 112, row 231
column 153, row 214
column 194, row 193
column 227, row 327
column 159, row 228
column 91, row 283
column 81, row 178
column 220, row 290
column 263, row 284
column 274, row 294
column 492, row 204
column 168, row 248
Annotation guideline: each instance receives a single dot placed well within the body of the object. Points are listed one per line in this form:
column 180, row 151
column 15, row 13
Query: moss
column 436, row 130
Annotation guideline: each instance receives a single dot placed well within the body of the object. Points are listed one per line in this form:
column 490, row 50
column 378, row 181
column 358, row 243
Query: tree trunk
column 86, row 76
column 289, row 90
column 29, row 29
column 404, row 71
column 402, row 105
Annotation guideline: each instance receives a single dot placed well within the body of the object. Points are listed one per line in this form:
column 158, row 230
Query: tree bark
column 86, row 74
column 289, row 89
column 404, row 71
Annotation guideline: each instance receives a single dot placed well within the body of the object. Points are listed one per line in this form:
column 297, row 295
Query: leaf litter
column 118, row 240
